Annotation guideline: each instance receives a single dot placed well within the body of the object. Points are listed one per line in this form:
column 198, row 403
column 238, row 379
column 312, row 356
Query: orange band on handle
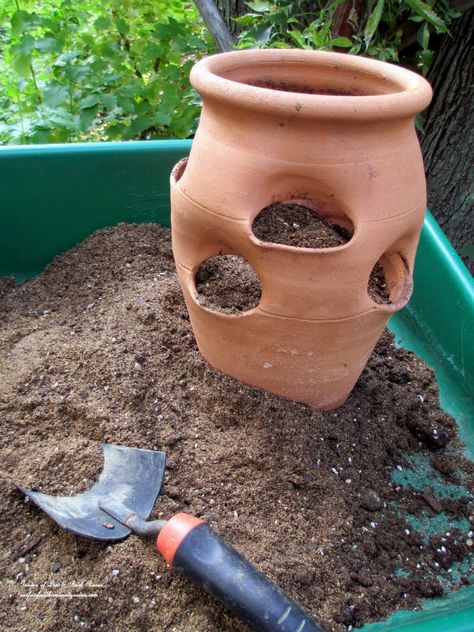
column 173, row 533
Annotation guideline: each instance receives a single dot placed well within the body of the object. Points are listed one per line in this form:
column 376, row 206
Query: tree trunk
column 216, row 25
column 448, row 141
column 232, row 9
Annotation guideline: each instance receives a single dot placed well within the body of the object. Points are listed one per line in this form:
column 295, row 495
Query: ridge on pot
column 333, row 133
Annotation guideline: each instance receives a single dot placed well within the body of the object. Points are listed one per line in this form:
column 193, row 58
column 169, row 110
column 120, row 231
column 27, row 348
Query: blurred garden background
column 98, row 69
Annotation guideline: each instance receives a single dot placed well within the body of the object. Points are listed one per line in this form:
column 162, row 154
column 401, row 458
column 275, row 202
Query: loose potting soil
column 355, row 512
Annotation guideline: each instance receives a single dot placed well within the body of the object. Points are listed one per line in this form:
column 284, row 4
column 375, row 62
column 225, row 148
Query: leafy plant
column 377, row 28
column 90, row 70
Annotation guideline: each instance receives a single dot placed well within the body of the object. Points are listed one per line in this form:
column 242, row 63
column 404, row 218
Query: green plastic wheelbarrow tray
column 54, row 196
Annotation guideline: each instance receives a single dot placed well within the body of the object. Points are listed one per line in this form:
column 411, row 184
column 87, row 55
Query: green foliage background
column 98, row 69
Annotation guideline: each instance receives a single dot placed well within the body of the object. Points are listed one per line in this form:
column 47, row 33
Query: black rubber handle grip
column 207, row 559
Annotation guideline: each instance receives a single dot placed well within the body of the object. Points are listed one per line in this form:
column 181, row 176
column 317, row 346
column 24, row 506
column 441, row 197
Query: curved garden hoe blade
column 131, row 476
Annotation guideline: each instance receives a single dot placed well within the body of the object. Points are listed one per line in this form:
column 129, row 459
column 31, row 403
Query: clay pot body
column 334, row 133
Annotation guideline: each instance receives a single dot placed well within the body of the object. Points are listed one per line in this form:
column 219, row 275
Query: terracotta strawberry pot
column 334, row 133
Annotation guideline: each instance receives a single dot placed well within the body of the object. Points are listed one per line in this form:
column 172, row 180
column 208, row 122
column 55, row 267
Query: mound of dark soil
column 99, row 348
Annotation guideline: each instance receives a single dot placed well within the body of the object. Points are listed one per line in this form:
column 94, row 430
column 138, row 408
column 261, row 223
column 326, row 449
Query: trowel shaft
column 192, row 547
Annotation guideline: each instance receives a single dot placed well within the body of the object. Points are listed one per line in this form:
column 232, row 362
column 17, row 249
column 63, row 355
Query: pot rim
column 411, row 95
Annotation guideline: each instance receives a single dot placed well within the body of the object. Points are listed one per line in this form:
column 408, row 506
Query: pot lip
column 414, row 95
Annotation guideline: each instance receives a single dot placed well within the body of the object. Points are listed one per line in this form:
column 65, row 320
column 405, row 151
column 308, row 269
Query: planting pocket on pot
column 390, row 282
column 227, row 284
column 302, row 223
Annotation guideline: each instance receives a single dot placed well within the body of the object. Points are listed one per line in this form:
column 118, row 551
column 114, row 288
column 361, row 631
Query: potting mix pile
column 355, row 512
